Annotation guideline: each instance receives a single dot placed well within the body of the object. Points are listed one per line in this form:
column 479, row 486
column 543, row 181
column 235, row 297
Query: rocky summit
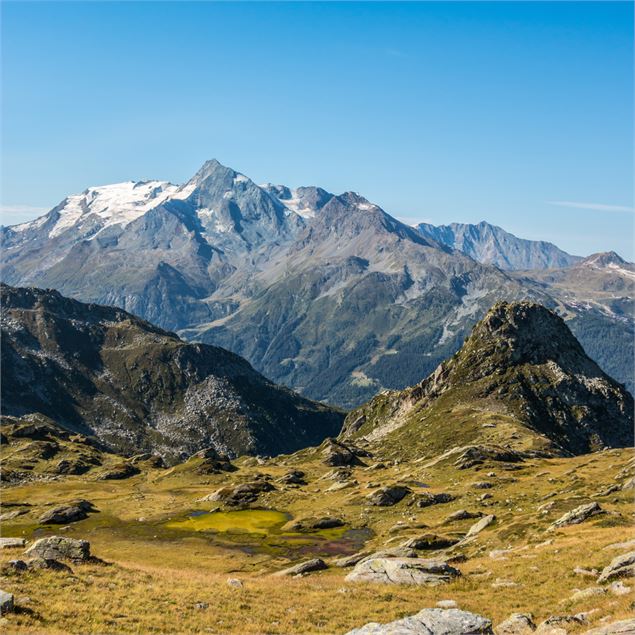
column 521, row 380
column 326, row 293
column 104, row 373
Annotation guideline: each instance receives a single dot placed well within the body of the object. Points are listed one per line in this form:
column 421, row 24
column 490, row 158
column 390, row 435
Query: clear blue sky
column 436, row 111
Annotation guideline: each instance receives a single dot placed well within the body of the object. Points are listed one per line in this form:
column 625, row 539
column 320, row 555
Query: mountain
column 597, row 296
column 102, row 372
column 521, row 381
column 492, row 245
column 327, row 294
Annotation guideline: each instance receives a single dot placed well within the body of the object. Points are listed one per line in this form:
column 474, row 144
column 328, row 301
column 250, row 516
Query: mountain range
column 104, row 373
column 327, row 294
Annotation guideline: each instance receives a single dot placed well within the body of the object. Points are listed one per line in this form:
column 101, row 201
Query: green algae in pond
column 246, row 521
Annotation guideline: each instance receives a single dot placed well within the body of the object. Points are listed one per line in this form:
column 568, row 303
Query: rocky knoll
column 521, row 380
column 103, row 372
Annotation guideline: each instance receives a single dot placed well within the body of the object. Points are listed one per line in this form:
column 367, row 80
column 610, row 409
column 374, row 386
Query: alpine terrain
column 327, row 294
column 136, row 388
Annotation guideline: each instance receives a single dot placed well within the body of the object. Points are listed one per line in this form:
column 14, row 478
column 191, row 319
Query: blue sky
column 520, row 114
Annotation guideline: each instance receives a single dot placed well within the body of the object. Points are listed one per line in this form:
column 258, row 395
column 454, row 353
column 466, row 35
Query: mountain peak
column 603, row 259
column 522, row 367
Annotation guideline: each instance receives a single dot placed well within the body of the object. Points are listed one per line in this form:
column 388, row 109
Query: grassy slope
column 157, row 575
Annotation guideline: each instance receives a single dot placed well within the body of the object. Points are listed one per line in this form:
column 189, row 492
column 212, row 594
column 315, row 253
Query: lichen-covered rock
column 60, row 548
column 478, row 527
column 7, row 543
column 431, row 622
column 622, row 566
column 517, row 624
column 425, row 499
column 430, row 542
column 65, row 514
column 388, row 496
column 241, row 494
column 316, row 564
column 403, row 571
column 623, row 627
column 6, row 602
column 578, row 515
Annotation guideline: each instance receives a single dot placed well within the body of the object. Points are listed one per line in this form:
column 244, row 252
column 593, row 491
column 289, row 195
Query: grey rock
column 622, row 627
column 48, row 563
column 589, row 592
column 403, row 571
column 478, row 527
column 558, row 624
column 431, row 622
column 235, row 582
column 64, row 514
column 517, row 624
column 6, row 602
column 578, row 515
column 461, row 514
column 316, row 564
column 60, row 548
column 430, row 542
column 388, row 496
column 425, row 499
column 8, row 543
column 621, row 566
column 12, row 514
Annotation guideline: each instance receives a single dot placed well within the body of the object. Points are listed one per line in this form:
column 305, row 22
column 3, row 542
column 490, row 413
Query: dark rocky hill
column 103, row 372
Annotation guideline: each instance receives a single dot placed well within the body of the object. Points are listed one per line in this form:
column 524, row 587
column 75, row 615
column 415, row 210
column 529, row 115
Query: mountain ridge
column 328, row 294
column 136, row 387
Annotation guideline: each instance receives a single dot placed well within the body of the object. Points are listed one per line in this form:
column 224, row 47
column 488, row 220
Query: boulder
column 313, row 524
column 337, row 454
column 316, row 564
column 293, row 477
column 6, row 602
column 7, row 543
column 388, row 496
column 48, row 563
column 119, row 472
column 461, row 514
column 350, row 561
column 60, row 548
column 578, row 515
column 425, row 499
column 482, row 485
column 623, row 627
column 242, row 494
column 517, row 624
column 12, row 514
column 431, row 622
column 392, row 552
column 622, row 566
column 558, row 625
column 430, row 542
column 403, row 571
column 585, row 594
column 65, row 514
column 478, row 527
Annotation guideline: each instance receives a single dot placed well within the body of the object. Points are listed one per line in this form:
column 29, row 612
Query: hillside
column 493, row 245
column 521, row 380
column 105, row 373
column 327, row 294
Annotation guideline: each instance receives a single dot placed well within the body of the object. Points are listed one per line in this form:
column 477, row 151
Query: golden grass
column 157, row 575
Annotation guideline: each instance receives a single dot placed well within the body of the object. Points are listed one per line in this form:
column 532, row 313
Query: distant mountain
column 490, row 244
column 521, row 382
column 598, row 299
column 327, row 294
column 103, row 372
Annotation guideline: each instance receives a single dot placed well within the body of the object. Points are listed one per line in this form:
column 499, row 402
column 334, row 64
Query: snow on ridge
column 117, row 203
column 297, row 205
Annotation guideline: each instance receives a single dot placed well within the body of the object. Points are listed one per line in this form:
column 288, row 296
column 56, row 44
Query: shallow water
column 246, row 521
column 260, row 530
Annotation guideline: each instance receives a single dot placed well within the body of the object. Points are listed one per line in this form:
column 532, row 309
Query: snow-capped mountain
column 490, row 244
column 325, row 293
